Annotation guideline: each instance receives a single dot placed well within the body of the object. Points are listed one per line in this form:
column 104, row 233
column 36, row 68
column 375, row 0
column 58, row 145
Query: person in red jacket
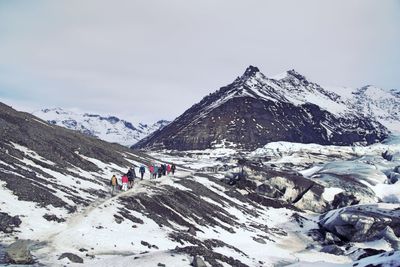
column 125, row 182
column 168, row 169
column 151, row 170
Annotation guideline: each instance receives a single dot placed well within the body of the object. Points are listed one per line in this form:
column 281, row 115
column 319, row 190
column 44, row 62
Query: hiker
column 113, row 184
column 155, row 167
column 168, row 169
column 160, row 171
column 164, row 169
column 173, row 168
column 142, row 170
column 151, row 170
column 125, row 182
column 133, row 172
column 129, row 174
column 132, row 169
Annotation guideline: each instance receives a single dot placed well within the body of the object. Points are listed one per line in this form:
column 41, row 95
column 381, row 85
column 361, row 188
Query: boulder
column 316, row 235
column 397, row 169
column 19, row 253
column 393, row 177
column 198, row 262
column 344, row 199
column 72, row 257
column 294, row 189
column 331, row 239
column 332, row 249
column 363, row 223
column 368, row 252
column 259, row 240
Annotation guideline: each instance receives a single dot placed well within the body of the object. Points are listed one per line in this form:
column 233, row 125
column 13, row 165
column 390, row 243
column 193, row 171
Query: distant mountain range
column 255, row 110
column 107, row 128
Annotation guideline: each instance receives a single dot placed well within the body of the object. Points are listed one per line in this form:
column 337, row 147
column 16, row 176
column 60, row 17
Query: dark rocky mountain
column 255, row 110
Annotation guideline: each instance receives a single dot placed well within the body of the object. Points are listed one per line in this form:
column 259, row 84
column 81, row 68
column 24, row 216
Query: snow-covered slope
column 381, row 104
column 55, row 199
column 107, row 128
column 378, row 103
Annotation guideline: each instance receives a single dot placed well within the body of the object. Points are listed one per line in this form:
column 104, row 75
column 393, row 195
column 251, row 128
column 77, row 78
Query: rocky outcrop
column 8, row 223
column 344, row 199
column 289, row 187
column 362, row 223
column 19, row 252
column 72, row 257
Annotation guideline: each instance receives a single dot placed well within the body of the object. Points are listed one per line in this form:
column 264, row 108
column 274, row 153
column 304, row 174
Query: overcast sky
column 152, row 59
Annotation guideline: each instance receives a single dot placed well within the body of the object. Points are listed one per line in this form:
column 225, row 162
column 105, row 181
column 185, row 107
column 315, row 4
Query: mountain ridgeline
column 108, row 128
column 255, row 110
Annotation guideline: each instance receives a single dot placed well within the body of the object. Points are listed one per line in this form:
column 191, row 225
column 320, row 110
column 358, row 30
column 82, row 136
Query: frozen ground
column 171, row 219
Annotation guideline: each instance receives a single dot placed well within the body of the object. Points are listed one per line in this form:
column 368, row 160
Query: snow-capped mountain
column 108, row 128
column 255, row 110
column 56, row 208
column 383, row 105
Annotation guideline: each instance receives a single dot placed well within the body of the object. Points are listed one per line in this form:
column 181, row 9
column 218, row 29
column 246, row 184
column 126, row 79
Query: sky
column 152, row 59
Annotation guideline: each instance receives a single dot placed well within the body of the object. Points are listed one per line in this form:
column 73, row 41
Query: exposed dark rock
column 299, row 219
column 126, row 214
column 259, row 240
column 394, row 177
column 192, row 231
column 52, row 217
column 8, row 223
column 331, row 239
column 367, row 252
column 317, row 235
column 146, row 244
column 209, row 256
column 118, row 219
column 332, row 249
column 397, row 169
column 161, row 264
column 72, row 257
column 362, row 223
column 344, row 199
column 179, row 206
column 386, row 155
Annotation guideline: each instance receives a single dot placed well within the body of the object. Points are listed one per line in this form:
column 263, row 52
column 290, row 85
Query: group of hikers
column 127, row 180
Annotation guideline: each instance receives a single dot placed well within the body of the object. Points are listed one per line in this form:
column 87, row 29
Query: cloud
column 153, row 59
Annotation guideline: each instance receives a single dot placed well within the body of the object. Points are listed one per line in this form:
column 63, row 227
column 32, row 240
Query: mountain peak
column 295, row 74
column 250, row 71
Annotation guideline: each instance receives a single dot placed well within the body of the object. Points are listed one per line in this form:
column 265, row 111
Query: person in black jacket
column 142, row 170
column 173, row 168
